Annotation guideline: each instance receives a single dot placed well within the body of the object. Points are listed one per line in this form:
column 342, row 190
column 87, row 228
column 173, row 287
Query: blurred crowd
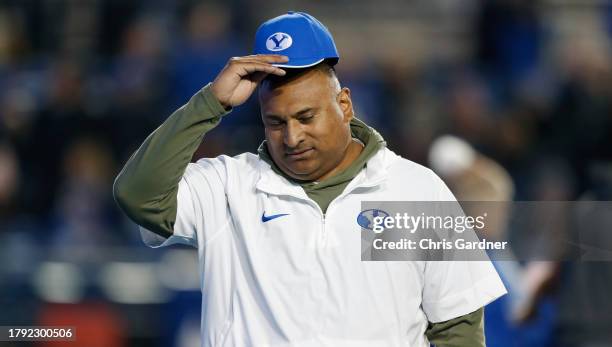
column 526, row 83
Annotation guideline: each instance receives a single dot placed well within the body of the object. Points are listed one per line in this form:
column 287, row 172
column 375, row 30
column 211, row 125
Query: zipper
column 340, row 197
column 322, row 216
column 323, row 231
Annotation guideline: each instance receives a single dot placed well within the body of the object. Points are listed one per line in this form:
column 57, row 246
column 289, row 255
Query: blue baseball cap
column 299, row 36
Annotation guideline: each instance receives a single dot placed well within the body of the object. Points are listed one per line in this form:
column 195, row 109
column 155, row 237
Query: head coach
column 278, row 245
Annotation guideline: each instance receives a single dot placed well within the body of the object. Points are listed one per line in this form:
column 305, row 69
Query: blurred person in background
column 139, row 79
column 485, row 188
column 207, row 40
column 84, row 214
column 581, row 284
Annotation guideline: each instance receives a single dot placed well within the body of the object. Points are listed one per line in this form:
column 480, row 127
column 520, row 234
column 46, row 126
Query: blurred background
column 521, row 89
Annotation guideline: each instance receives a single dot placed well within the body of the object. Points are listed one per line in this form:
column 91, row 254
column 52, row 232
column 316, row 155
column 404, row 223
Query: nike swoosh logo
column 265, row 218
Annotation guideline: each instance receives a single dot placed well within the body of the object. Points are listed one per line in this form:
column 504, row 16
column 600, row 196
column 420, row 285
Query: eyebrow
column 297, row 114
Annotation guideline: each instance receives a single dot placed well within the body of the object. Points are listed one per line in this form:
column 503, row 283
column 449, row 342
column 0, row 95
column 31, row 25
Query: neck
column 352, row 152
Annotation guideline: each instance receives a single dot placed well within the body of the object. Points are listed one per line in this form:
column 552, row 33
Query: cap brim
column 299, row 63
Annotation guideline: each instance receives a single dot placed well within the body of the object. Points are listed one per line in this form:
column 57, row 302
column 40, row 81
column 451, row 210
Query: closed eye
column 306, row 119
column 272, row 121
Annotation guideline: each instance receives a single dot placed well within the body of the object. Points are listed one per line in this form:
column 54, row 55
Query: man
column 278, row 245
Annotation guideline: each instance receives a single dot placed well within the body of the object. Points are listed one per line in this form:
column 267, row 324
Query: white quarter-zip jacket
column 276, row 271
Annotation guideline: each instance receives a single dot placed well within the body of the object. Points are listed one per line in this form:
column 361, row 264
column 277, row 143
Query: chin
column 300, row 170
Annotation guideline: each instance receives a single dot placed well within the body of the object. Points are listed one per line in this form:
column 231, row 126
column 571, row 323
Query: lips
column 298, row 154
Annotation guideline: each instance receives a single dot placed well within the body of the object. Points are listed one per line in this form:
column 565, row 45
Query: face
column 307, row 124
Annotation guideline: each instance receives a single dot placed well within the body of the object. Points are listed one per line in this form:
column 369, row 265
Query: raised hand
column 241, row 75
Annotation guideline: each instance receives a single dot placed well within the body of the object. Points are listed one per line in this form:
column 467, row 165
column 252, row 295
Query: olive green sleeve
column 146, row 188
column 464, row 331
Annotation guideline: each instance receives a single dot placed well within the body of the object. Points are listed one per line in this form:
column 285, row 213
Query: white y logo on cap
column 279, row 42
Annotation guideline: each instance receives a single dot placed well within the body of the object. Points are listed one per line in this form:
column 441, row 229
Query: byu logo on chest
column 366, row 218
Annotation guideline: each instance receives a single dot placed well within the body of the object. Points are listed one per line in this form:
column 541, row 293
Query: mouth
column 299, row 154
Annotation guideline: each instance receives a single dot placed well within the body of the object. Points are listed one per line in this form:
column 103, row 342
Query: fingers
column 258, row 63
column 266, row 58
column 240, row 76
column 253, row 67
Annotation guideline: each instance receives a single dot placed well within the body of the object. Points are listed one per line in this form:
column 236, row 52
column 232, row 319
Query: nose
column 293, row 134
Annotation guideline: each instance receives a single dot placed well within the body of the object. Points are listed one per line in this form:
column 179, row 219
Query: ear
column 346, row 104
